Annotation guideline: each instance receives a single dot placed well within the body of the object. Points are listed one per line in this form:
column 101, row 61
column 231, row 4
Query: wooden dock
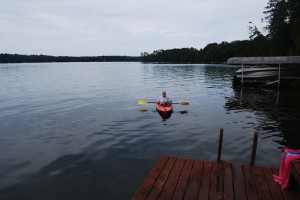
column 180, row 178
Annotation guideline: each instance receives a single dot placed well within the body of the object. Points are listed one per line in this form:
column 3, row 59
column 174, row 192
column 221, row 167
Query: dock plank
column 205, row 181
column 250, row 183
column 261, row 183
column 275, row 191
column 193, row 186
column 238, row 182
column 169, row 188
column 287, row 194
column 216, row 190
column 151, row 178
column 161, row 180
column 183, row 180
column 228, row 182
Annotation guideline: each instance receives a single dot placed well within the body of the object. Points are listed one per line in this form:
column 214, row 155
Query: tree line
column 282, row 39
column 17, row 58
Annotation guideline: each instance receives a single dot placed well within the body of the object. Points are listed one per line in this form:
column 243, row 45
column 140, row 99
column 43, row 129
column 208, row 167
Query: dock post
column 242, row 74
column 254, row 146
column 220, row 145
column 279, row 76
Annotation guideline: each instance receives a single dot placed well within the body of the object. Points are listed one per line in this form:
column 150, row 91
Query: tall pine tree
column 283, row 21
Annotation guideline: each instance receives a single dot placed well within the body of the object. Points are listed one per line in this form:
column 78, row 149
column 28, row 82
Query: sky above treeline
column 122, row 27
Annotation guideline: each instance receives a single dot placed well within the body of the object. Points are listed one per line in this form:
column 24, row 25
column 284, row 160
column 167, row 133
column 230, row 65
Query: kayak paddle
column 146, row 102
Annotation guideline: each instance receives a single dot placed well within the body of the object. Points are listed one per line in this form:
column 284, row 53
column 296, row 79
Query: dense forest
column 282, row 39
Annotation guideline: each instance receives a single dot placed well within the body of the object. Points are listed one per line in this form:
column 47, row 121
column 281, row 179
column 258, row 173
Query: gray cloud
column 122, row 27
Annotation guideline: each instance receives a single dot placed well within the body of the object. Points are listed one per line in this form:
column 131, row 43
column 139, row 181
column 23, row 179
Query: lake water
column 76, row 131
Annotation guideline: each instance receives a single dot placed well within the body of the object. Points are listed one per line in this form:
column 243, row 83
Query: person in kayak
column 163, row 99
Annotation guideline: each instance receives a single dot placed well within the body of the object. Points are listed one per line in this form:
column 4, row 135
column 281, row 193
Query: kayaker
column 163, row 99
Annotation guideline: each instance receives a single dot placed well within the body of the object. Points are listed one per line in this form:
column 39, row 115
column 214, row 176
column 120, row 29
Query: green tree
column 278, row 26
column 294, row 21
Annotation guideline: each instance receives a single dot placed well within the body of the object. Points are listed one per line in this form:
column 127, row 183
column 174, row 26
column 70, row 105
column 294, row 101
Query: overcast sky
column 122, row 27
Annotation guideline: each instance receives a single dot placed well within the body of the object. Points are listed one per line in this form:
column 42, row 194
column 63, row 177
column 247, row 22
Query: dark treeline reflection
column 278, row 112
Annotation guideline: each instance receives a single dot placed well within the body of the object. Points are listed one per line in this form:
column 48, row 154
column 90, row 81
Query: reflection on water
column 277, row 112
column 81, row 176
column 165, row 115
column 183, row 112
column 75, row 130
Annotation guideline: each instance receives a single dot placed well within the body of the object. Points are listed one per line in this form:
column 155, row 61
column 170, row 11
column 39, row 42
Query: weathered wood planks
column 179, row 178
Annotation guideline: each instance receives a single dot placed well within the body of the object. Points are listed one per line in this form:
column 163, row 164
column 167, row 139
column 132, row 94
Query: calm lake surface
column 75, row 130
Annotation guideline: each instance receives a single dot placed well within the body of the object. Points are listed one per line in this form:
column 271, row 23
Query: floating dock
column 181, row 178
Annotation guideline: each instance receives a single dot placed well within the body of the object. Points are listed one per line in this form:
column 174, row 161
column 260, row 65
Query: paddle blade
column 143, row 110
column 142, row 102
column 183, row 112
column 184, row 103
